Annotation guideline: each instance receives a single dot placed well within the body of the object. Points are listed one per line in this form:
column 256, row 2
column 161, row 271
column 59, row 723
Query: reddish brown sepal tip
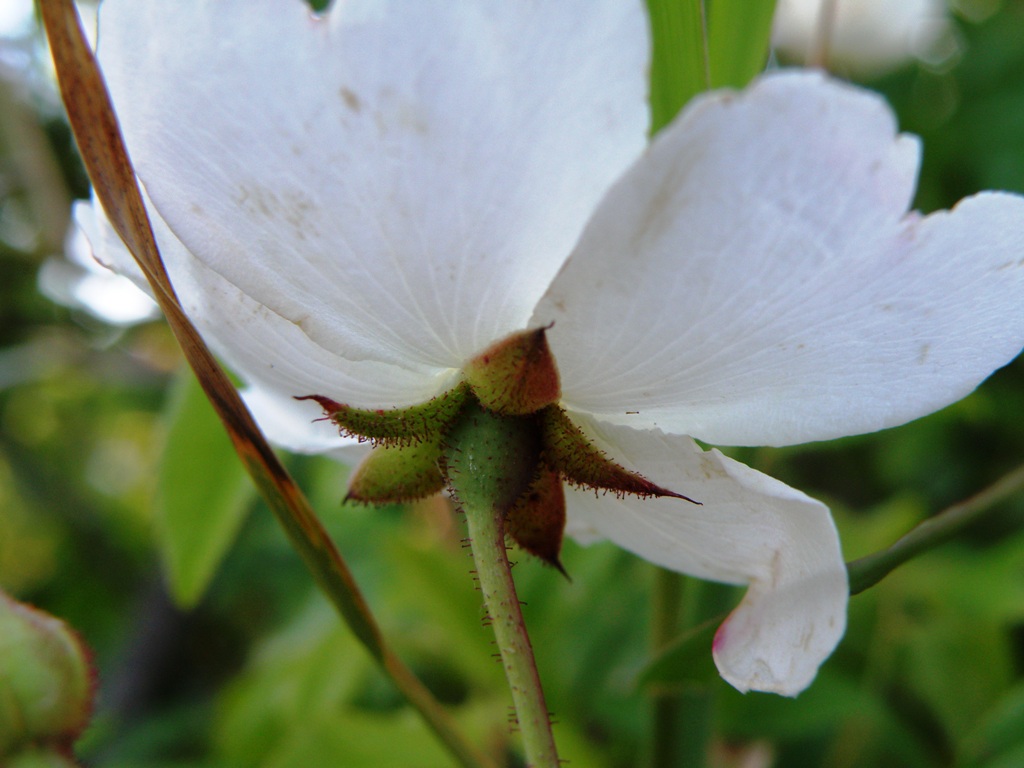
column 644, row 487
column 536, row 522
column 329, row 406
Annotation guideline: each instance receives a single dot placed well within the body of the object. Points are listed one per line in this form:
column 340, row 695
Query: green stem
column 869, row 570
column 487, row 541
column 666, row 601
column 682, row 718
column 490, row 461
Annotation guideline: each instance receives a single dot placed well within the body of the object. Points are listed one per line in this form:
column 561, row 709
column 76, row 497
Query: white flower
column 865, row 37
column 355, row 205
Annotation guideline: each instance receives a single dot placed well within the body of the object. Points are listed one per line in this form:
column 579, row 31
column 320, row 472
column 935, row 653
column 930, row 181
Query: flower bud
column 46, row 680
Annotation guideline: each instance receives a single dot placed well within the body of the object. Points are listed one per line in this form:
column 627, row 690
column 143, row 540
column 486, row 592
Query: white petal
column 294, row 425
column 751, row 529
column 267, row 351
column 755, row 278
column 299, row 426
column 399, row 180
column 105, row 247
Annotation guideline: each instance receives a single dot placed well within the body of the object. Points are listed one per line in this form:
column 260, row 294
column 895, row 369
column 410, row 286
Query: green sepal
column 515, row 376
column 568, row 450
column 396, row 426
column 393, row 474
column 491, row 459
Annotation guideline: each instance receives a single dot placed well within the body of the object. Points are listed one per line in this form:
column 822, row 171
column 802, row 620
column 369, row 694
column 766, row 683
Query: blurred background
column 217, row 650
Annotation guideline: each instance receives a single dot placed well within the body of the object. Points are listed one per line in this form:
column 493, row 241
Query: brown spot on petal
column 352, row 101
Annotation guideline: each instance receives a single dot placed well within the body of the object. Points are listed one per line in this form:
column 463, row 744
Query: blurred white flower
column 15, row 18
column 78, row 281
column 864, row 38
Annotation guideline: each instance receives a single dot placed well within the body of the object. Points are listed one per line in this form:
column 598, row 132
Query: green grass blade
column 740, row 34
column 679, row 64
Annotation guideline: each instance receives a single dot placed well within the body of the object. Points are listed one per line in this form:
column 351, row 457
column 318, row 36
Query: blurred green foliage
column 257, row 671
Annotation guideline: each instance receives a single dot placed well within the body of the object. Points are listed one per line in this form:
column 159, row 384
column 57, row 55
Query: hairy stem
column 487, row 541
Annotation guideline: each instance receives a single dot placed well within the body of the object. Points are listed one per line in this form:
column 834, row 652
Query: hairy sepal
column 568, row 450
column 398, row 473
column 515, row 376
column 396, row 426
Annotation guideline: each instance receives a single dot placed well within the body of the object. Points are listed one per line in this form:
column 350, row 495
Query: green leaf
column 1000, row 734
column 202, row 494
column 1012, row 759
column 358, row 741
column 950, row 641
column 739, row 34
